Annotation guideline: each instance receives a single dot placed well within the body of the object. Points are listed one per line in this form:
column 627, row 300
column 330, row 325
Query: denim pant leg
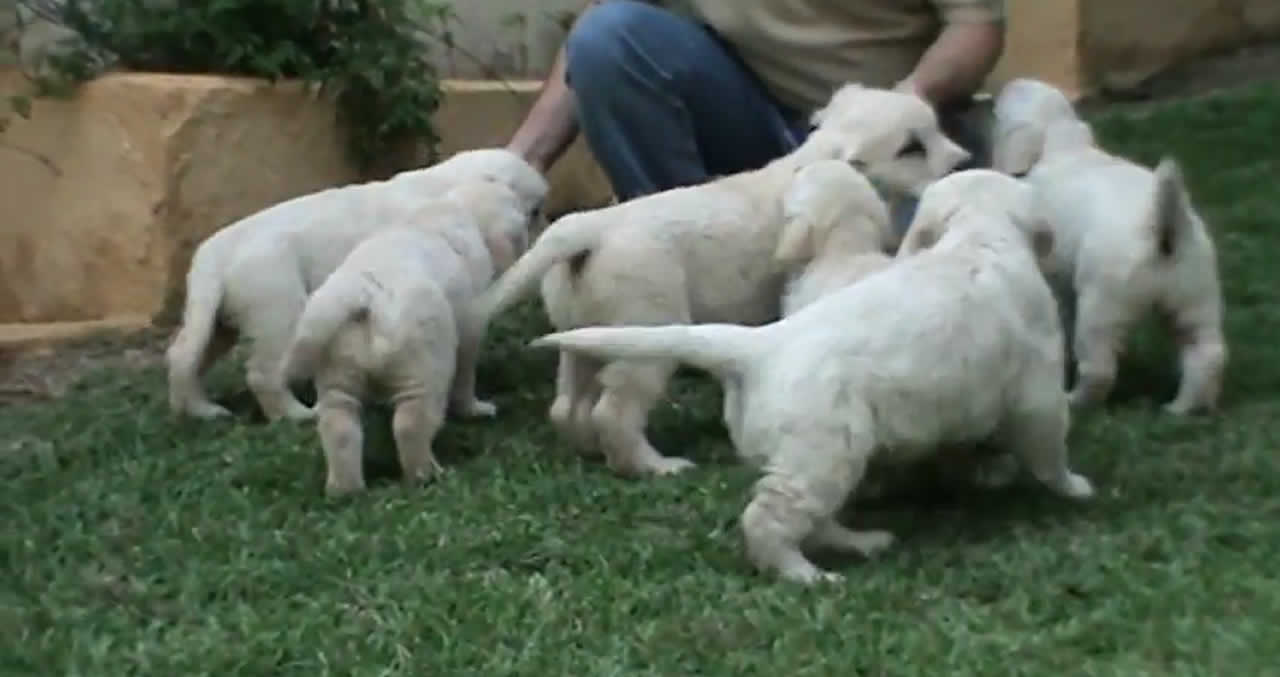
column 971, row 128
column 662, row 102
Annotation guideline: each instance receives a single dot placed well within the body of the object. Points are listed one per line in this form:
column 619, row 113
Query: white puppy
column 1022, row 110
column 253, row 277
column 702, row 253
column 957, row 343
column 395, row 316
column 1129, row 240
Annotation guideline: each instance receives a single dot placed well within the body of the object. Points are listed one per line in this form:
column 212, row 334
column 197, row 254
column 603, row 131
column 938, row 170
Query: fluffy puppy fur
column 1022, row 110
column 394, row 319
column 860, row 377
column 1129, row 240
column 702, row 253
column 837, row 227
column 253, row 276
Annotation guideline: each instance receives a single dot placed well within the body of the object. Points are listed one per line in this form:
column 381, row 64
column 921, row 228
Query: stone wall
column 107, row 194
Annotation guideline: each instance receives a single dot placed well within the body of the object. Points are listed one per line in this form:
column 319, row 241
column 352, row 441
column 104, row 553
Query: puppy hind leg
column 186, row 393
column 338, row 420
column 1099, row 331
column 796, row 501
column 269, row 321
column 1202, row 353
column 414, row 425
column 631, row 388
column 1038, row 436
column 577, row 390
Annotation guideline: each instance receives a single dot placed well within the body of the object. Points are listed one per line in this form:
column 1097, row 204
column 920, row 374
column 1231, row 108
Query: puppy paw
column 300, row 413
column 1185, row 408
column 477, row 409
column 810, row 575
column 843, row 539
column 1078, row 487
column 335, row 489
column 208, row 411
column 669, row 465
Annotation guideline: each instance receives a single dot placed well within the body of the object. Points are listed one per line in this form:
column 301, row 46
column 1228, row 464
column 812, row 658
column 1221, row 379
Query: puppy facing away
column 253, row 277
column 1129, row 240
column 1023, row 110
column 394, row 320
column 863, row 376
column 701, row 253
column 838, row 225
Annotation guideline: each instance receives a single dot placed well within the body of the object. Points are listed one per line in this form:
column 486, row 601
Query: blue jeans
column 665, row 102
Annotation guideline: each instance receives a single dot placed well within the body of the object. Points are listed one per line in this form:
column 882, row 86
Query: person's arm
column 964, row 53
column 552, row 123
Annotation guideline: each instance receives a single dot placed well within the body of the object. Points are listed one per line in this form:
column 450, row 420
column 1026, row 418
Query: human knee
column 594, row 49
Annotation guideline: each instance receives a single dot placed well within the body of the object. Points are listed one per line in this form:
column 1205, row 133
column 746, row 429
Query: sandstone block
column 108, row 193
column 1083, row 45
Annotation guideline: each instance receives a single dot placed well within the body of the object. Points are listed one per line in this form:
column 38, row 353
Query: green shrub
column 369, row 54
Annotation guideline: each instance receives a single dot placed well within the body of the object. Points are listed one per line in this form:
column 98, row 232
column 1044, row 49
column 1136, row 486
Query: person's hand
column 908, row 86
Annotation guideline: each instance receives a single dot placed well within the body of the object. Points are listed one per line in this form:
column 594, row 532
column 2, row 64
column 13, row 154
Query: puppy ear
column 796, row 243
column 925, row 229
column 1017, row 148
column 1041, row 240
column 918, row 239
column 1041, row 237
column 943, row 154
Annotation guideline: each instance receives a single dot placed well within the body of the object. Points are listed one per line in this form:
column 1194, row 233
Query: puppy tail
column 725, row 350
column 569, row 236
column 1171, row 220
column 341, row 299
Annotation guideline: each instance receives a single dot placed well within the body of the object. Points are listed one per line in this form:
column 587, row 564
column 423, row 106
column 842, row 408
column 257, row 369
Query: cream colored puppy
column 702, row 253
column 837, row 228
column 1129, row 241
column 861, row 376
column 253, row 277
column 394, row 319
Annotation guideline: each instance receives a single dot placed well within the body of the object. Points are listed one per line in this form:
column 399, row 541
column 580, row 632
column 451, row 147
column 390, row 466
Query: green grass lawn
column 134, row 543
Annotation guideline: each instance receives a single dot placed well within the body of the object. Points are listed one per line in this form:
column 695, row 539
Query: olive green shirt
column 804, row 49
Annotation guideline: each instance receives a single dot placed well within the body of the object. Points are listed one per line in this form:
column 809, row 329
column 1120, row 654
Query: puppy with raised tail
column 1129, row 241
column 394, row 320
column 253, row 277
column 694, row 254
column 957, row 343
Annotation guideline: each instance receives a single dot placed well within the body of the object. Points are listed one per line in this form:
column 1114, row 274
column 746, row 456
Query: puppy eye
column 913, row 146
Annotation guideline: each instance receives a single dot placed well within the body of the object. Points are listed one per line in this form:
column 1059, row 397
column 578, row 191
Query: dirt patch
column 48, row 373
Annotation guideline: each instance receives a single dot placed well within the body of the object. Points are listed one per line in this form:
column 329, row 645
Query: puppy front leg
column 343, row 442
column 415, row 424
column 462, row 398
